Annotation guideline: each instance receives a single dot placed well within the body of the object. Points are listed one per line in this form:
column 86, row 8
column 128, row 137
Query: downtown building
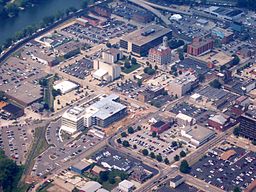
column 100, row 114
column 140, row 41
column 200, row 46
column 248, row 124
column 160, row 55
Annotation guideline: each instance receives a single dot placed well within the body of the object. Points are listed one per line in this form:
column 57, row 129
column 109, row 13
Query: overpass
column 166, row 8
column 157, row 13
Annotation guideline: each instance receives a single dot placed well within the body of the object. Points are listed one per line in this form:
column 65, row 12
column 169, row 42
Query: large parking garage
column 227, row 167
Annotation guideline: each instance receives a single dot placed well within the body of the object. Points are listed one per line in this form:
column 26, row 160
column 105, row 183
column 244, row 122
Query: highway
column 144, row 4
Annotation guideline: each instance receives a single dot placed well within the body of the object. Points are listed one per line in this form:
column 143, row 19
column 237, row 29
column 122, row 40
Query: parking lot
column 64, row 149
column 166, row 144
column 225, row 172
column 97, row 35
column 15, row 141
column 129, row 88
column 79, row 69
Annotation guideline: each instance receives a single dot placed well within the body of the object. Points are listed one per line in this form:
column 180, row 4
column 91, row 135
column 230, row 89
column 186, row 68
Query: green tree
column 108, row 45
column 201, row 78
column 237, row 189
column 184, row 167
column 176, row 157
column 126, row 143
column 159, row 158
column 138, row 128
column 154, row 134
column 127, row 64
column 183, row 154
column 133, row 61
column 254, row 142
column 174, row 143
column 166, row 161
column 139, row 82
column 152, row 155
column 119, row 141
column 85, row 4
column 104, row 175
column 124, row 134
column 145, row 152
column 181, row 55
column 134, row 146
column 236, row 60
column 215, row 84
column 130, row 130
column 9, row 174
column 236, row 131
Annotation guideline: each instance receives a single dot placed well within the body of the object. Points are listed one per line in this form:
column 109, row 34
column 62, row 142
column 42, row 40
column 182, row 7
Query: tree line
column 10, row 173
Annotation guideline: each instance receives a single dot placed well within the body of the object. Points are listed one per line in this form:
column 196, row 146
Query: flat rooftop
column 81, row 165
column 199, row 133
column 199, row 67
column 217, row 58
column 147, row 34
column 26, row 93
column 107, row 107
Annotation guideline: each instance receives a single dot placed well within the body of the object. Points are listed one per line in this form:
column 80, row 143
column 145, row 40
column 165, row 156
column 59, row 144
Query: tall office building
column 248, row 125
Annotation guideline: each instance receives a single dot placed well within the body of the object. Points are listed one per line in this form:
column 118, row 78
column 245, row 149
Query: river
column 34, row 15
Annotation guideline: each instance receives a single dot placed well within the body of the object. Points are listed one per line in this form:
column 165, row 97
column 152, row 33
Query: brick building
column 159, row 127
column 200, row 46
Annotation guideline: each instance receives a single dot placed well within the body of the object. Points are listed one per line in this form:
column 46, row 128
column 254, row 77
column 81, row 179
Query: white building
column 182, row 84
column 65, row 86
column 176, row 181
column 102, row 113
column 196, row 135
column 185, row 120
column 73, row 120
column 126, row 186
column 112, row 55
column 106, row 69
column 91, row 186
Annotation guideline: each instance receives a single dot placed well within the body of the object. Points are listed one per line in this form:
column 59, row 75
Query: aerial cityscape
column 128, row 96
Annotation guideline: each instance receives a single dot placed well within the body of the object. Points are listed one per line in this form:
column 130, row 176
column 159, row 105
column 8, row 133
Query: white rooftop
column 107, row 107
column 74, row 113
column 184, row 117
column 195, row 96
column 100, row 73
column 219, row 119
column 91, row 186
column 65, row 86
column 127, row 184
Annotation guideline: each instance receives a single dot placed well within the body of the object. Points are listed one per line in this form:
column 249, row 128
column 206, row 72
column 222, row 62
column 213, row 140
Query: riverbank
column 11, row 28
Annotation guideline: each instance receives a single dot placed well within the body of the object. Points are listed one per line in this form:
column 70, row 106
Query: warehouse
column 80, row 167
column 140, row 41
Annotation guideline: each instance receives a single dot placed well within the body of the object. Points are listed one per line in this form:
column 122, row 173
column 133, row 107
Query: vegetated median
column 39, row 145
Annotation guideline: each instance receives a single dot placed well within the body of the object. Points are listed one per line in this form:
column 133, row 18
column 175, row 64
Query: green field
column 131, row 69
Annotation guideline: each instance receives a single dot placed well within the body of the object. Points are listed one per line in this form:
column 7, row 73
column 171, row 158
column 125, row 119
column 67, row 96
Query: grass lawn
column 109, row 186
column 131, row 69
column 39, row 145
